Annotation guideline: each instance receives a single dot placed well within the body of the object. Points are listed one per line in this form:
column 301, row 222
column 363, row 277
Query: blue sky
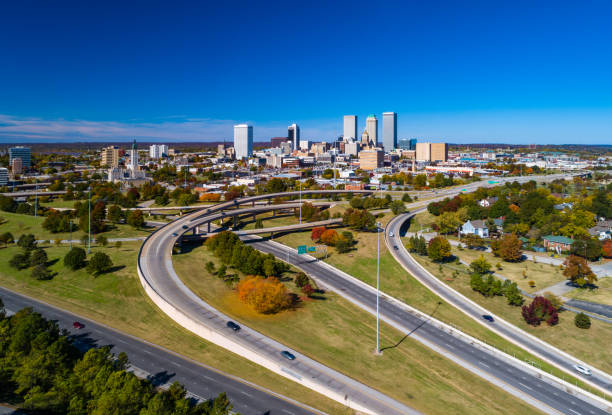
column 480, row 71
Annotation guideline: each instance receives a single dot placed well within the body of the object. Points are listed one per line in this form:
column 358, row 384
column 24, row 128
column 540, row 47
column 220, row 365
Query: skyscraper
column 372, row 129
column 243, row 141
column 350, row 127
column 389, row 131
column 133, row 157
column 293, row 134
column 157, row 151
column 110, row 157
column 24, row 153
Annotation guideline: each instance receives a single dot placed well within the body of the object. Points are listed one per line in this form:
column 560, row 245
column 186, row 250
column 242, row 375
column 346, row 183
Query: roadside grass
column 338, row 334
column 543, row 275
column 118, row 300
column 269, row 221
column 60, row 203
column 18, row 224
column 421, row 221
column 602, row 294
column 591, row 346
column 395, row 281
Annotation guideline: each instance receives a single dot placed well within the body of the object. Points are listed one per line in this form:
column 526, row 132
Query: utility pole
column 89, row 223
column 300, row 201
column 378, row 287
column 70, row 233
column 36, row 199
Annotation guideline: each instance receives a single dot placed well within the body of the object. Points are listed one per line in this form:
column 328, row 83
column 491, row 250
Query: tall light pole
column 70, row 233
column 378, row 224
column 89, row 223
column 300, row 201
column 36, row 199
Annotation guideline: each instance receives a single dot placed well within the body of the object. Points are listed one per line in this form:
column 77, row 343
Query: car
column 233, row 326
column 174, row 234
column 391, row 234
column 395, row 247
column 488, row 318
column 185, row 227
column 78, row 325
column 287, row 355
column 584, row 370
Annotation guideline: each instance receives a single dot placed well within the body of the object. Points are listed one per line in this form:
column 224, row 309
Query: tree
column 301, row 280
column 556, row 302
column 480, row 265
column 606, row 249
column 6, row 238
column 540, row 309
column 448, row 222
column 343, row 245
column 588, row 248
column 210, row 267
column 316, row 233
column 358, row 219
column 473, row 241
column 27, row 242
column 99, row 263
column 20, row 261
column 115, row 214
column 259, row 223
column 308, row 290
column 330, row 237
column 582, row 321
column 417, row 245
column 41, row 272
column 38, row 257
column 57, row 221
column 406, row 198
column 512, row 293
column 439, row 249
column 135, row 219
column 98, row 213
column 397, row 207
column 75, row 258
column 118, row 244
column 508, row 248
column 578, row 271
column 102, row 240
column 265, row 295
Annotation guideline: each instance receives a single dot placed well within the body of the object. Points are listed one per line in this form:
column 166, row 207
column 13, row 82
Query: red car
column 78, row 325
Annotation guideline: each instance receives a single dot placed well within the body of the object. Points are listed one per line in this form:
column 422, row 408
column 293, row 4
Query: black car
column 233, row 326
column 185, row 227
column 287, row 355
column 488, row 318
column 395, row 247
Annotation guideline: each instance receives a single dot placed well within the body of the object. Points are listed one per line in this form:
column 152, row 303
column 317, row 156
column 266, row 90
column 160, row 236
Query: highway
column 500, row 326
column 163, row 365
column 155, row 264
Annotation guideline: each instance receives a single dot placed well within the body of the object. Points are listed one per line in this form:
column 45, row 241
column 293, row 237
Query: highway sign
column 312, row 249
column 301, row 249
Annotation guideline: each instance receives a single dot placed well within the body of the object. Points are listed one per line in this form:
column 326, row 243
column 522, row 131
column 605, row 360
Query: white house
column 475, row 227
column 488, row 201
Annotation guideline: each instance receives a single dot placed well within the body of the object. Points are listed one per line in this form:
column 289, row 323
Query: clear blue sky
column 481, row 71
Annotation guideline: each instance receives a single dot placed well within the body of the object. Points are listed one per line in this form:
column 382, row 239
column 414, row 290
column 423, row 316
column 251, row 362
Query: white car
column 584, row 370
column 391, row 234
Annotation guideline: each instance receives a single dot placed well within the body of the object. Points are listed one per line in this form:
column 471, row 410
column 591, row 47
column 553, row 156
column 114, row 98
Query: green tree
column 20, row 260
column 582, row 321
column 75, row 258
column 118, row 244
column 578, row 271
column 301, row 280
column 38, row 257
column 41, row 272
column 27, row 242
column 102, row 240
column 397, row 207
column 439, row 249
column 480, row 265
column 115, row 214
column 136, row 219
column 406, row 198
column 448, row 222
column 6, row 238
column 99, row 263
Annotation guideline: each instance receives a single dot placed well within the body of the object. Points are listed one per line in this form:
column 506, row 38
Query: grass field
column 59, row 203
column 544, row 275
column 603, row 294
column 118, row 300
column 421, row 221
column 395, row 281
column 591, row 345
column 340, row 335
column 18, row 224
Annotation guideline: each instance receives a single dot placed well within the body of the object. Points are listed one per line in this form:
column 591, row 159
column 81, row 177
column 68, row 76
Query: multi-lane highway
column 164, row 366
column 540, row 348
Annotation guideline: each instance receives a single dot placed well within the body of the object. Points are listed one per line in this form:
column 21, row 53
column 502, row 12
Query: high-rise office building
column 423, row 151
column 133, row 157
column 350, row 127
column 389, row 131
column 24, row 153
column 3, row 176
column 407, row 144
column 157, row 151
column 371, row 159
column 439, row 152
column 243, row 141
column 16, row 166
column 372, row 129
column 293, row 135
column 109, row 157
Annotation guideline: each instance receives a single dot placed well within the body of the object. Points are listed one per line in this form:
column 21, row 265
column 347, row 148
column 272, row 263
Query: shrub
column 308, row 290
column 540, row 309
column 210, row 267
column 301, row 280
column 75, row 258
column 27, row 242
column 582, row 321
column 532, row 283
column 102, row 240
column 38, row 257
column 20, row 261
column 6, row 238
column 439, row 249
column 99, row 263
column 41, row 272
column 265, row 295
column 118, row 244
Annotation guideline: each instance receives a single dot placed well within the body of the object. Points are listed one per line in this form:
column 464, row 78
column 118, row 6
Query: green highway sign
column 301, row 249
column 312, row 249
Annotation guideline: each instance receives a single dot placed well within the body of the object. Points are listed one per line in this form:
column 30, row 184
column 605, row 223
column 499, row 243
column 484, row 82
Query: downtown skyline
column 485, row 73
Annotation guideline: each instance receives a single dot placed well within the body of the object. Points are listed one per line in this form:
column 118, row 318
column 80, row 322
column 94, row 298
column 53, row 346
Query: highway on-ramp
column 163, row 365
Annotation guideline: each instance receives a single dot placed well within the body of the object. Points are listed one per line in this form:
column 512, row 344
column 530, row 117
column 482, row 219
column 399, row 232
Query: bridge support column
column 274, row 213
column 234, row 221
column 208, row 227
column 253, row 204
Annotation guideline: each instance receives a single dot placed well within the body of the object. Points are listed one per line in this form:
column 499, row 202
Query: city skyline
column 458, row 73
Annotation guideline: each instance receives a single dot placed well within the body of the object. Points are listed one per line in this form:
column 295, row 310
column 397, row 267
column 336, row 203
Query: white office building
column 372, row 129
column 350, row 127
column 243, row 141
column 389, row 131
column 293, row 135
column 305, row 145
column 3, row 176
column 157, row 151
column 133, row 157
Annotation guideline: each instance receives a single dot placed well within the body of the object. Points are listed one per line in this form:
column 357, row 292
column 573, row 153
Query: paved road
column 163, row 365
column 156, row 265
column 475, row 311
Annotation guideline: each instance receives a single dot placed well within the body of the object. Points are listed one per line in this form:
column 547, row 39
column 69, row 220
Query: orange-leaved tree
column 316, row 233
column 265, row 295
column 330, row 237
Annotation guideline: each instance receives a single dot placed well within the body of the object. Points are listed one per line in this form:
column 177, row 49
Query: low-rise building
column 557, row 243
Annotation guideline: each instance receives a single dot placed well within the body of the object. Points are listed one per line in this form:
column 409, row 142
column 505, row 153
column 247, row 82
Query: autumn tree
column 606, row 249
column 480, row 266
column 448, row 222
column 330, row 237
column 578, row 271
column 316, row 233
column 508, row 248
column 540, row 309
column 265, row 295
column 438, row 249
column 358, row 219
column 135, row 219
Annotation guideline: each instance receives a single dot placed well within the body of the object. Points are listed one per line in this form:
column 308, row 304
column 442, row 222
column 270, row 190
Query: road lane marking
column 525, row 386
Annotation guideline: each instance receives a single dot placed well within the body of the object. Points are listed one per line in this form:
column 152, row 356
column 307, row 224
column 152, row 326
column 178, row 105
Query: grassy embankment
column 118, row 300
column 336, row 333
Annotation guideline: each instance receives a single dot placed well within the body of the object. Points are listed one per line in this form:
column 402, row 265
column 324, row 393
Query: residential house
column 488, row 202
column 563, row 206
column 602, row 230
column 475, row 227
column 499, row 223
column 557, row 243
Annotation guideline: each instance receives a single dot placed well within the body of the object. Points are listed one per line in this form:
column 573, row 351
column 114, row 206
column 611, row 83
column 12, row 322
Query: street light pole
column 89, row 223
column 377, row 287
column 36, row 199
column 300, row 202
column 70, row 233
